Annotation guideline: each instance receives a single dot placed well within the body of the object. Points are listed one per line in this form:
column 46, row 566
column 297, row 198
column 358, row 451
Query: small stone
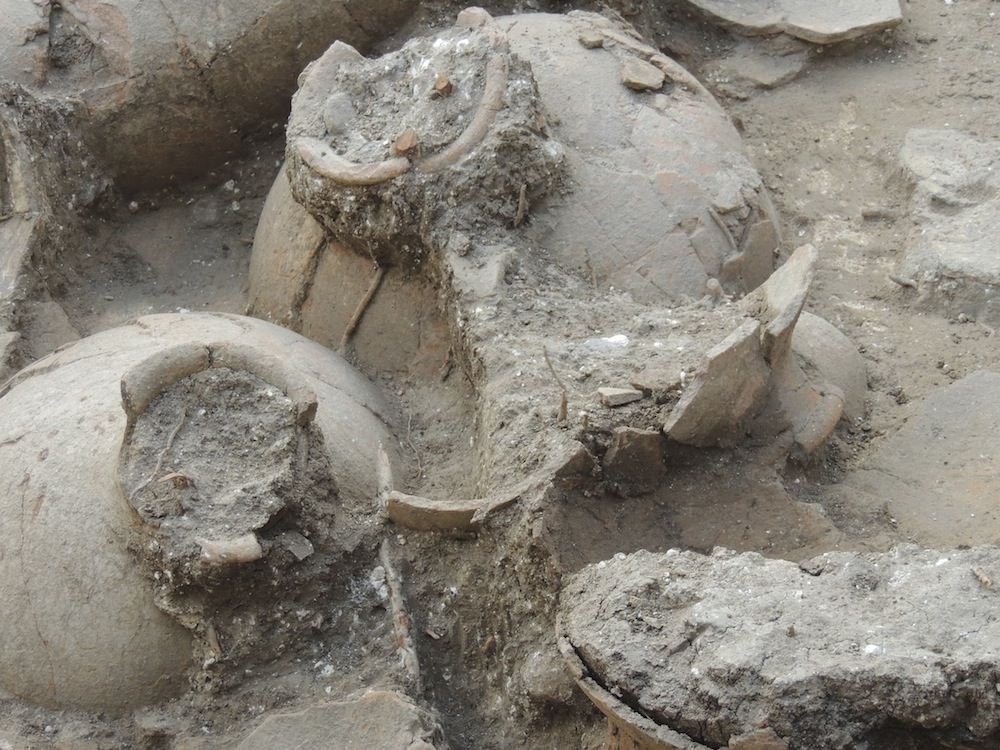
column 713, row 288
column 473, row 18
column 406, row 143
column 442, row 86
column 618, row 396
column 642, row 76
column 592, row 39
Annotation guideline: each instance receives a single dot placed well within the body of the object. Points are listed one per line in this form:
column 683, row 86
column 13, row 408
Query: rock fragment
column 443, row 86
column 473, row 18
column 658, row 381
column 407, row 143
column 296, row 544
column 639, row 75
column 546, row 680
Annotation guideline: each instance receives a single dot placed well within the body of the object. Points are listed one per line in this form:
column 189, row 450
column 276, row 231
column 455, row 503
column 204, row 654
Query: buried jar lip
column 152, row 377
column 644, row 732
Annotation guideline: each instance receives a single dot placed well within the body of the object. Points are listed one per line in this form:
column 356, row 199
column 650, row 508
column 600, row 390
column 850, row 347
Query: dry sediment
column 543, row 241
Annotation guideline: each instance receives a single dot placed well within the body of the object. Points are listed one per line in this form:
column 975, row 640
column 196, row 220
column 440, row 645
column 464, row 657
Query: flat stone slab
column 378, row 721
column 952, row 254
column 819, row 22
column 845, row 651
column 939, row 475
column 639, row 75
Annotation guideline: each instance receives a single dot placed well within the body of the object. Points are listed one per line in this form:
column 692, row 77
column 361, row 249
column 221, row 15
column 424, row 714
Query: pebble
column 642, row 76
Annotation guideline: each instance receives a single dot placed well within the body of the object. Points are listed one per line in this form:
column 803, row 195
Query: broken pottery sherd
column 422, row 514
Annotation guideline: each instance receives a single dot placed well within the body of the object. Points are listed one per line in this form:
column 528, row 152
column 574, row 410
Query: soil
column 826, row 142
column 172, row 251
